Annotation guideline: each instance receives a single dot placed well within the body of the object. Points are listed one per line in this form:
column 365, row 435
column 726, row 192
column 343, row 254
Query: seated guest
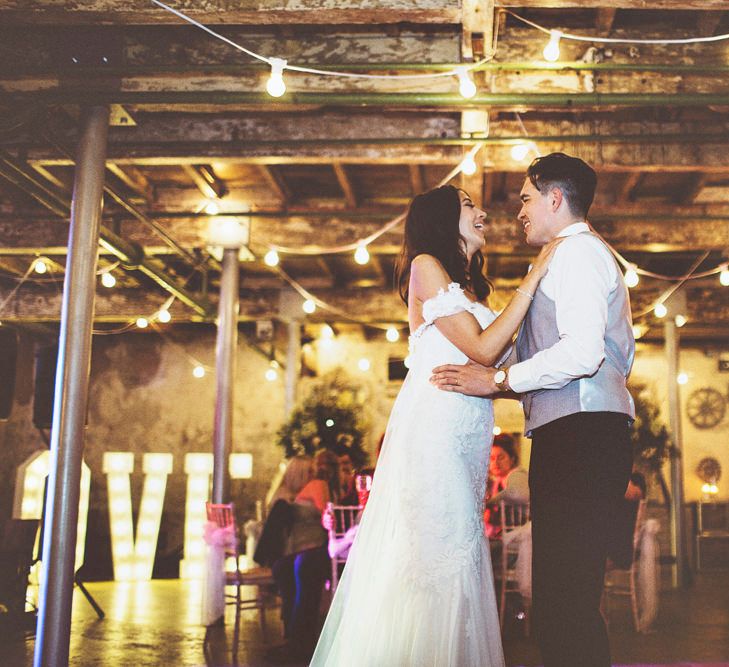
column 301, row 573
column 299, row 471
column 347, row 492
column 507, row 481
column 620, row 548
column 274, row 534
column 339, row 546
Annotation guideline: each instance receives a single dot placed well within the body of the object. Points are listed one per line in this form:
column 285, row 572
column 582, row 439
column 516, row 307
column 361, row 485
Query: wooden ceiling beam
column 604, row 20
column 42, row 303
column 417, row 184
column 277, row 183
column 706, row 5
column 132, row 177
column 695, row 185
column 345, row 183
column 708, row 22
column 627, row 229
column 50, row 177
column 241, row 12
column 625, row 192
column 204, row 178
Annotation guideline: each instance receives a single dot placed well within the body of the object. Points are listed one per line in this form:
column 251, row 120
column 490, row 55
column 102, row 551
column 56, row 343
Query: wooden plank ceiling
column 335, row 159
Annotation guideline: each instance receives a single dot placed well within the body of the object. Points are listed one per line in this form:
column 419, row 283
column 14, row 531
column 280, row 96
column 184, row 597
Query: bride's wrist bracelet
column 525, row 293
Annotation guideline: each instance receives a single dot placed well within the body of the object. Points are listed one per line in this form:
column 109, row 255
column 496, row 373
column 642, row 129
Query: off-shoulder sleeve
column 446, row 303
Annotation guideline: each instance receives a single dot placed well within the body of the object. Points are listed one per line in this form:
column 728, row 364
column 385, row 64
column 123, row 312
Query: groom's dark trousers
column 578, row 474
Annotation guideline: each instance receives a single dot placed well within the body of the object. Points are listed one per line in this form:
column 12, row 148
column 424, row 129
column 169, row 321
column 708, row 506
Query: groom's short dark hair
column 574, row 177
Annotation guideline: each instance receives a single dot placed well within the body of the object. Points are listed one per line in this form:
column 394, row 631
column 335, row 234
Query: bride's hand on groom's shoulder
column 472, row 379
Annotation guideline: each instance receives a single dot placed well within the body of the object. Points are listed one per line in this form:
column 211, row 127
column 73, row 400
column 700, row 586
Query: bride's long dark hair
column 431, row 228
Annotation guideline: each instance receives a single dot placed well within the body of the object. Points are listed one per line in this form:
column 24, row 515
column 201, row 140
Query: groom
column 574, row 352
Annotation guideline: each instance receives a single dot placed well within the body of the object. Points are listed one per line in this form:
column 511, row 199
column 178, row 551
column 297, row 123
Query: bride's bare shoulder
column 426, row 264
column 427, row 277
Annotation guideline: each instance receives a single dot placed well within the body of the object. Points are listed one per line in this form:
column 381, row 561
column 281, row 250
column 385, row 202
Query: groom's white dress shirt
column 581, row 275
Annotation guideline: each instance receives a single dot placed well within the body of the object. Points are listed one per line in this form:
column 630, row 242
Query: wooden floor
column 157, row 623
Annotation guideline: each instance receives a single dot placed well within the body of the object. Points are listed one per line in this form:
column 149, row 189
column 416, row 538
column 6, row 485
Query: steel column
column 678, row 528
column 71, row 395
column 225, row 353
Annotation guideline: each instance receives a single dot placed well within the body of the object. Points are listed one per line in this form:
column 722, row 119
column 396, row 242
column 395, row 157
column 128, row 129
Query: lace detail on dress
column 444, row 304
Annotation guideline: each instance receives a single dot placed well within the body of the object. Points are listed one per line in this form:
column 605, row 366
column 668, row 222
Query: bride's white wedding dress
column 418, row 586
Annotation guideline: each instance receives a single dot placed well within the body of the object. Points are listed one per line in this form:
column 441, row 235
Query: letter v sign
column 133, row 559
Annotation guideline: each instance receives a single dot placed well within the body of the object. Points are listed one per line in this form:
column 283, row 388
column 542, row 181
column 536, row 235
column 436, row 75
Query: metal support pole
column 293, row 364
column 225, row 353
column 678, row 528
column 71, row 394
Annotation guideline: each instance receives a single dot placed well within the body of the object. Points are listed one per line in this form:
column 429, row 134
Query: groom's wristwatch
column 501, row 379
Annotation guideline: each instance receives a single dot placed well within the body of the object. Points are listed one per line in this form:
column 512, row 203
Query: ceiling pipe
column 194, row 69
column 131, row 255
column 451, row 100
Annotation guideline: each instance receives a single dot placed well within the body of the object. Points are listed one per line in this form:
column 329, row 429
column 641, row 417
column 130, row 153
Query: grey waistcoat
column 605, row 390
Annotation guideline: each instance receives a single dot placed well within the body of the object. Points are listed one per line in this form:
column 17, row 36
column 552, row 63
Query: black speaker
column 8, row 364
column 46, row 359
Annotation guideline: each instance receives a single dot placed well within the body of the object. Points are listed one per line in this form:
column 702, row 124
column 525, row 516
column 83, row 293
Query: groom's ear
column 555, row 199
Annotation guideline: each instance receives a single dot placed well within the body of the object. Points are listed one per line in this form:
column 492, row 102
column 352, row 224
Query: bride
column 418, row 587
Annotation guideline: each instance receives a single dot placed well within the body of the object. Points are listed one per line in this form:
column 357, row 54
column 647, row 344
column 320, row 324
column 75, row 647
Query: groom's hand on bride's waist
column 471, row 379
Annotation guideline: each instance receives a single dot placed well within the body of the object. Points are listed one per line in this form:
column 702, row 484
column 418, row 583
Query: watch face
column 499, row 377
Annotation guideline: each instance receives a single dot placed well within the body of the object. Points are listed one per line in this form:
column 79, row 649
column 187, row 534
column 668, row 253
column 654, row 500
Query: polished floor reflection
column 157, row 623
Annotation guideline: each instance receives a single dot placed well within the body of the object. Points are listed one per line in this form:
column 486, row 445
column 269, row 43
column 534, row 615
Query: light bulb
column 631, row 276
column 680, row 320
column 198, row 371
column 164, row 316
column 361, row 255
column 519, row 151
column 39, row 266
column 308, row 306
column 329, row 423
column 637, row 331
column 108, row 279
column 406, row 361
column 466, row 86
column 551, row 51
column 275, row 85
column 724, row 276
column 327, row 332
column 271, row 258
column 392, row 334
column 660, row 310
column 497, row 430
column 271, row 374
column 682, row 378
column 212, row 208
column 142, row 322
column 363, row 364
column 468, row 166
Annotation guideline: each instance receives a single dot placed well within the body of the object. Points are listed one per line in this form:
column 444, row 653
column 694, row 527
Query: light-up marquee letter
column 133, row 559
column 28, row 501
column 199, row 470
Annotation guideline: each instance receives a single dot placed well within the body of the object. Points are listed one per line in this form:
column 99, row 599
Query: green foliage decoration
column 652, row 443
column 332, row 414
